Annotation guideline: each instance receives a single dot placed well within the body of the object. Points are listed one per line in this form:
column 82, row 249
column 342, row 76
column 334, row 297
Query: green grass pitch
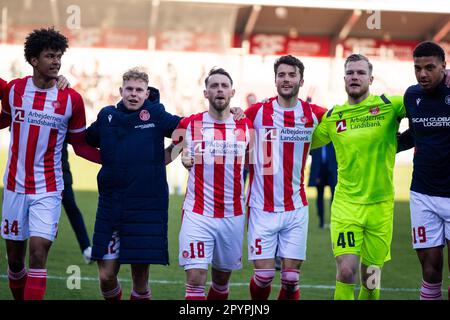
column 400, row 278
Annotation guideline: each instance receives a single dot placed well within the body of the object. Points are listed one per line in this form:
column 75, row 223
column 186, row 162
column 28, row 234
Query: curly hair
column 43, row 39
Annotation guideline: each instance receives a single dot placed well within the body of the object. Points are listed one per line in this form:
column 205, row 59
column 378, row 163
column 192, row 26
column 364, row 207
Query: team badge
column 341, row 126
column 185, row 254
column 144, row 115
column 447, row 100
column 374, row 110
column 109, row 117
column 304, row 119
column 56, row 105
column 418, row 101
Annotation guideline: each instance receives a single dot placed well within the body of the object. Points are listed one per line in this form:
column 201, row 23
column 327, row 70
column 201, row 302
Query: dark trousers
column 75, row 217
column 320, row 204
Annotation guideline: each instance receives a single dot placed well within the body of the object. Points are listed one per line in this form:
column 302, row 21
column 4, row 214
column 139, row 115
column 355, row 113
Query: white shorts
column 113, row 247
column 281, row 234
column 204, row 240
column 430, row 220
column 30, row 215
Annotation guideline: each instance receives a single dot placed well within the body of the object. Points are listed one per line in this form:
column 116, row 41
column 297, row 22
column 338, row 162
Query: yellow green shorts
column 362, row 229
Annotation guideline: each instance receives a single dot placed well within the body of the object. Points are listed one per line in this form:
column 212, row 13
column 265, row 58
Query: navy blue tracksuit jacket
column 132, row 185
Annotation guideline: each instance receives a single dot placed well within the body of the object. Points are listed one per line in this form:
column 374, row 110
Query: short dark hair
column 429, row 49
column 358, row 57
column 291, row 61
column 214, row 71
column 42, row 39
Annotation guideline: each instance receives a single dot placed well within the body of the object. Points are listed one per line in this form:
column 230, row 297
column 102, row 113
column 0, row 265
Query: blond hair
column 136, row 74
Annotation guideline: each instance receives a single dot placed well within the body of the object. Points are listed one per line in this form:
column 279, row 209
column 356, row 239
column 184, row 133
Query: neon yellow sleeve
column 320, row 135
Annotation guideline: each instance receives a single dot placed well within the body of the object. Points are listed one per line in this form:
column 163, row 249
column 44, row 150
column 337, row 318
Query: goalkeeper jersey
column 365, row 141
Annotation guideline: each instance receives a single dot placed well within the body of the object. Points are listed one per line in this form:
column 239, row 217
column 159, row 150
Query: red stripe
column 12, row 170
column 267, row 120
column 19, row 90
column 220, row 133
column 60, row 104
column 307, row 112
column 39, row 100
column 237, row 177
column 33, row 135
column 197, row 137
column 288, row 163
column 302, row 187
column 49, row 161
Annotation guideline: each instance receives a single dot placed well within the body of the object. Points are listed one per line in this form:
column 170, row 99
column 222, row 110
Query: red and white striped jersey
column 215, row 185
column 40, row 119
column 282, row 142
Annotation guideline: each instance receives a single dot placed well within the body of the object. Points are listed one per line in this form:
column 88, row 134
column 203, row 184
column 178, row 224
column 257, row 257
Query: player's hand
column 187, row 160
column 238, row 113
column 62, row 83
column 447, row 77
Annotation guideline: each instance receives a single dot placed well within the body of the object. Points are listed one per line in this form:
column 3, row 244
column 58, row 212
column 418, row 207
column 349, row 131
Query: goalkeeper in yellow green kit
column 363, row 132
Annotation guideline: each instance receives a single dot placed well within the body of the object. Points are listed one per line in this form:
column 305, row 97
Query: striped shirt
column 40, row 119
column 215, row 185
column 282, row 142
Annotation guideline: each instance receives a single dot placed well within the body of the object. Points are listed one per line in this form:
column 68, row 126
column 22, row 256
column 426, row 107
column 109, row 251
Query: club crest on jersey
column 447, row 100
column 374, row 110
column 144, row 115
column 109, row 117
column 304, row 119
column 341, row 126
column 418, row 101
column 56, row 105
column 185, row 254
column 19, row 116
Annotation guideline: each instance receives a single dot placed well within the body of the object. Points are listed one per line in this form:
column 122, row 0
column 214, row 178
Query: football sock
column 114, row 294
column 147, row 295
column 195, row 292
column 290, row 289
column 344, row 291
column 218, row 292
column 17, row 282
column 261, row 283
column 430, row 291
column 36, row 284
column 366, row 294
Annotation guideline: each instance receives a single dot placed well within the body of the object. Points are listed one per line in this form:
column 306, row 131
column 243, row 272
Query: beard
column 221, row 106
column 293, row 93
column 356, row 94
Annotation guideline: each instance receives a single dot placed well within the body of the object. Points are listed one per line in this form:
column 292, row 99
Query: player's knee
column 107, row 276
column 15, row 264
column 38, row 258
column 432, row 273
column 346, row 274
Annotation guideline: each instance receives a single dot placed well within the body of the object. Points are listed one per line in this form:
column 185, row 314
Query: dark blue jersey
column 429, row 120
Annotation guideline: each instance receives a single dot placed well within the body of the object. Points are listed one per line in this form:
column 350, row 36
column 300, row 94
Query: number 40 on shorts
column 343, row 241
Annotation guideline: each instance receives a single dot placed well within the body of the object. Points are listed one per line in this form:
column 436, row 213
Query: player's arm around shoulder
column 398, row 105
column 93, row 135
column 321, row 136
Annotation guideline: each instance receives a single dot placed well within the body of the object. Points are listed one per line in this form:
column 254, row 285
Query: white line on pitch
column 232, row 284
